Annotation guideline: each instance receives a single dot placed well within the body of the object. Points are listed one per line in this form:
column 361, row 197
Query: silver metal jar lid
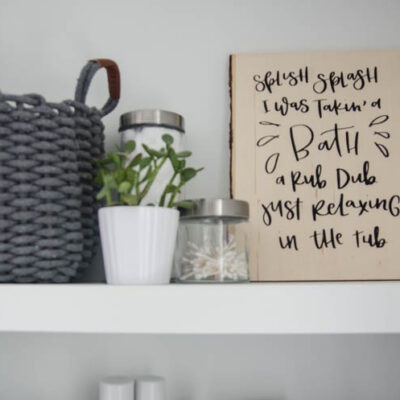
column 216, row 208
column 167, row 119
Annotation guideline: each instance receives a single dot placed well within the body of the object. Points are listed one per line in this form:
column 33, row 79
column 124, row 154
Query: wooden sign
column 316, row 152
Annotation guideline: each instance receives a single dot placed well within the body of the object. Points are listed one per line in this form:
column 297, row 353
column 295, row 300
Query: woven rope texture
column 48, row 208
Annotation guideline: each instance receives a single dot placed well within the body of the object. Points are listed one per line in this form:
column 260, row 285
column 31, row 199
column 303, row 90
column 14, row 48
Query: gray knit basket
column 48, row 208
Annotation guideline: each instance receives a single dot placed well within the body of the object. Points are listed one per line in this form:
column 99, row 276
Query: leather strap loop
column 114, row 83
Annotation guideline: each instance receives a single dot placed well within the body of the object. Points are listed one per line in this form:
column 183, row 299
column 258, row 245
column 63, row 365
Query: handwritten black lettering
column 272, row 163
column 289, row 242
column 301, row 151
column 267, row 123
column 335, row 80
column 263, row 141
column 285, row 105
column 315, row 180
column 333, row 136
column 343, row 206
column 288, row 209
column 383, row 149
column 342, row 140
column 376, row 104
column 343, row 177
column 382, row 134
column 326, row 239
column 381, row 119
column 336, row 107
column 280, row 180
column 336, row 141
column 371, row 239
column 278, row 78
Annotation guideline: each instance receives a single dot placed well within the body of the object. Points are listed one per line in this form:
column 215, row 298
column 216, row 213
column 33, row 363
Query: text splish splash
column 323, row 83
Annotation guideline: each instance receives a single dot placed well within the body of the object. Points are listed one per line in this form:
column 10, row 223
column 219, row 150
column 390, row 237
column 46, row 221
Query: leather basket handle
column 114, row 83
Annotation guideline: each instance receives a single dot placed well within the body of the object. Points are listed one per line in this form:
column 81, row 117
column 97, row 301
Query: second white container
column 138, row 244
column 148, row 127
column 150, row 388
column 116, row 388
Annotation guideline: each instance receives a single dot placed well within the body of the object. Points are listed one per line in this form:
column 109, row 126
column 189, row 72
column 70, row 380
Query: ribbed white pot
column 138, row 244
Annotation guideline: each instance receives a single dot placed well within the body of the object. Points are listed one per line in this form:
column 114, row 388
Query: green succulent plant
column 126, row 181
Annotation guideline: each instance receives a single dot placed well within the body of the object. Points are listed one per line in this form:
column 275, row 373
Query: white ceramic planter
column 138, row 244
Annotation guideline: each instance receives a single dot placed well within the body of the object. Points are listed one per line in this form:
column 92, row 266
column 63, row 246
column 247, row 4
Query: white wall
column 68, row 367
column 174, row 55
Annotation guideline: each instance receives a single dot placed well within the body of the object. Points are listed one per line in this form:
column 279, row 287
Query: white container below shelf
column 255, row 308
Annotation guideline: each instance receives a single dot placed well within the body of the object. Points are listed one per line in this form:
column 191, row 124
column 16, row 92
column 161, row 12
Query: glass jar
column 212, row 242
column 148, row 127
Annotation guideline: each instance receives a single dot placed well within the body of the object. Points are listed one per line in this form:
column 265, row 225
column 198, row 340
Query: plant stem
column 164, row 194
column 174, row 193
column 108, row 198
column 137, row 188
column 151, row 179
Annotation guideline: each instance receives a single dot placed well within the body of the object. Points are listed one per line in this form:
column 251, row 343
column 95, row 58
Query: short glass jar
column 148, row 127
column 212, row 242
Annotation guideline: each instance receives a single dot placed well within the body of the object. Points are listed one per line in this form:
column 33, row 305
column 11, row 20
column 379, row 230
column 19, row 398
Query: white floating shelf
column 257, row 308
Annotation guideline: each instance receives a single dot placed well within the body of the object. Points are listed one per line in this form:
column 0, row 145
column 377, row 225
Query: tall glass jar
column 148, row 127
column 212, row 242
